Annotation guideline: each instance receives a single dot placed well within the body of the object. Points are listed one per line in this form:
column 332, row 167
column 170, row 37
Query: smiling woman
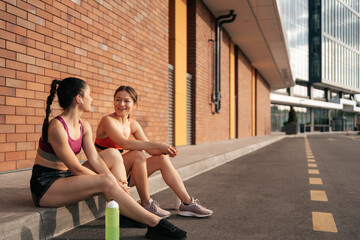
column 125, row 99
column 115, row 130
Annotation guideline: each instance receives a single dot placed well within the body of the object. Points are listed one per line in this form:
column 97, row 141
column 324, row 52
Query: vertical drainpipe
column 216, row 97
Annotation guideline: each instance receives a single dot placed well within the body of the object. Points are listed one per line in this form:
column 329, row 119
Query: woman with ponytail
column 59, row 179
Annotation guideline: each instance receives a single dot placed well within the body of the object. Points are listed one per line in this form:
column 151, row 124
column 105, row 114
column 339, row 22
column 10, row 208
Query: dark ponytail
column 49, row 101
column 68, row 89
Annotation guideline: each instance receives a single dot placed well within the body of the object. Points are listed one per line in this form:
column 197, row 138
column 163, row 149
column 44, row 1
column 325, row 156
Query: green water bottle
column 112, row 230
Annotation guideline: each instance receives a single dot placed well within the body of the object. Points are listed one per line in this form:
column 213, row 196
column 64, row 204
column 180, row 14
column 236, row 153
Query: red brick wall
column 244, row 95
column 109, row 44
column 263, row 114
column 209, row 127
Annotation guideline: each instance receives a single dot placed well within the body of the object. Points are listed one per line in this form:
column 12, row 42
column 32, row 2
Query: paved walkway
column 19, row 219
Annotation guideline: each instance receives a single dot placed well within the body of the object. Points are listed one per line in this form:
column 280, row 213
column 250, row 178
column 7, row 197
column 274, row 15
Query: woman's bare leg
column 169, row 174
column 114, row 161
column 65, row 191
column 135, row 162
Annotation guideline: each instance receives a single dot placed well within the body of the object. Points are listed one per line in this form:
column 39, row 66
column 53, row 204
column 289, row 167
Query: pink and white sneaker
column 154, row 208
column 194, row 209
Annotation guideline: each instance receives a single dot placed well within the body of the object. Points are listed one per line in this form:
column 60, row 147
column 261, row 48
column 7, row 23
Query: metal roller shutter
column 189, row 108
column 171, row 105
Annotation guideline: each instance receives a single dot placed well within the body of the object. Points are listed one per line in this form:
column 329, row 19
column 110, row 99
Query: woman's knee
column 111, row 155
column 139, row 157
column 108, row 182
column 164, row 160
column 160, row 162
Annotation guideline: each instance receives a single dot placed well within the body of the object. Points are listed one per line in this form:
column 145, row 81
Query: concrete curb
column 21, row 226
column 45, row 223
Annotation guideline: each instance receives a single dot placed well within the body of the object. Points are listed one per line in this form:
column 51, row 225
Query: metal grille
column 171, row 105
column 189, row 109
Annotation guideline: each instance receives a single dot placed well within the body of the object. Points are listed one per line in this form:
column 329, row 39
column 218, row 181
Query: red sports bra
column 104, row 143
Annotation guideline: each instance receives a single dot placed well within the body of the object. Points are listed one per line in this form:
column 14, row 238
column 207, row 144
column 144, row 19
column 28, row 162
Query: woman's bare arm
column 163, row 148
column 89, row 149
column 107, row 124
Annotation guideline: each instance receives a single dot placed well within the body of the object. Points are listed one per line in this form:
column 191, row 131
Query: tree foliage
column 292, row 116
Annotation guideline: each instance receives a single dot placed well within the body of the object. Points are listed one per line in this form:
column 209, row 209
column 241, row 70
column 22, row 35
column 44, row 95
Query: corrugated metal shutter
column 189, row 108
column 171, row 105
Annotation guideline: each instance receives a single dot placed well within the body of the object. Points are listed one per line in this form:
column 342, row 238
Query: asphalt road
column 267, row 194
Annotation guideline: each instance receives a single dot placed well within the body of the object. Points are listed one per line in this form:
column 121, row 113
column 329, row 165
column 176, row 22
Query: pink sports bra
column 46, row 151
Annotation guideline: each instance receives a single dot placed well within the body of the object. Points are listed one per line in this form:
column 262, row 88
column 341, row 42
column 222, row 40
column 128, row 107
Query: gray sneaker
column 154, row 208
column 194, row 209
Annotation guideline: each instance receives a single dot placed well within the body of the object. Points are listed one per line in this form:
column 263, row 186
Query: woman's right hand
column 124, row 185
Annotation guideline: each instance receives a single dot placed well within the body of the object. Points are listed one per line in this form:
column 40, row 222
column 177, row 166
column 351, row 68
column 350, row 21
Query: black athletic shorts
column 42, row 178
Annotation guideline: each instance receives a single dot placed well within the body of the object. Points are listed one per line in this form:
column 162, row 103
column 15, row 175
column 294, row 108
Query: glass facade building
column 323, row 38
column 339, row 46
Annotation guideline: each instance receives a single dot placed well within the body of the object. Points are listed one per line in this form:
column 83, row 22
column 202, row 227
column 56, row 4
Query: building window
column 300, row 91
column 318, row 94
column 334, row 95
column 280, row 115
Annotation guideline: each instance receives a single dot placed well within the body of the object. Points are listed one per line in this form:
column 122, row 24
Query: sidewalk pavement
column 20, row 219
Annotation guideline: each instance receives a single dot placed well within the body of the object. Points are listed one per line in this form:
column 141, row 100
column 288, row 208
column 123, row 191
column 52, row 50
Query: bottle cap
column 112, row 204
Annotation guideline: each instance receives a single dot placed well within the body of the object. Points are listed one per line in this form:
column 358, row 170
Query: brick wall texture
column 244, row 95
column 108, row 44
column 209, row 126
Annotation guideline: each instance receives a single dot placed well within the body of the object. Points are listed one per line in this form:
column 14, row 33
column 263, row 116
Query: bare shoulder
column 107, row 119
column 55, row 124
column 56, row 129
column 134, row 124
column 105, row 124
column 133, row 121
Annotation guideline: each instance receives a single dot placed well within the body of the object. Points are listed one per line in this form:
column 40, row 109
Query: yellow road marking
column 317, row 195
column 323, row 222
column 313, row 171
column 317, row 181
column 331, row 139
